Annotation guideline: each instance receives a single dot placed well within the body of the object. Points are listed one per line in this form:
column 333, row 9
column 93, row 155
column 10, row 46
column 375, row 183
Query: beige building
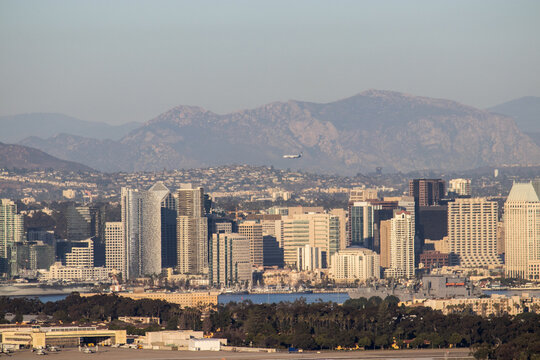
column 81, row 256
column 74, row 273
column 115, row 248
column 309, row 258
column 385, row 233
column 190, row 299
column 522, row 231
column 254, row 232
column 230, row 260
column 401, row 246
column 472, row 232
column 353, row 264
column 313, row 229
column 362, row 194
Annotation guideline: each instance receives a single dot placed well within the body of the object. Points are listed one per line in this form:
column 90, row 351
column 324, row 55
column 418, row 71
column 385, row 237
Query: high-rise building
column 351, row 264
column 132, row 222
column 459, row 187
column 81, row 254
column 115, row 254
column 192, row 231
column 310, row 258
column 314, row 229
column 385, row 234
column 254, row 232
column 472, row 231
column 11, row 232
column 426, row 192
column 360, row 226
column 401, row 246
column 522, row 231
column 272, row 252
column 230, row 261
column 341, row 215
column 158, row 229
column 79, row 222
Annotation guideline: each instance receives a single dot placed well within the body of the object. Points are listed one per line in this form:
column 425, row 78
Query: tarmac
column 133, row 354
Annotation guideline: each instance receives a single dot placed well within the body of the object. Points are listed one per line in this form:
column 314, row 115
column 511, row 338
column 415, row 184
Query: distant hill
column 397, row 131
column 525, row 110
column 17, row 127
column 24, row 157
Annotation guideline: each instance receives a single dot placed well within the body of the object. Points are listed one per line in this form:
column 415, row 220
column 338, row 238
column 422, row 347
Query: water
column 310, row 298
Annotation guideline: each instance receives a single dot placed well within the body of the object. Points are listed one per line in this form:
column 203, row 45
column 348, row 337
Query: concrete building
column 353, row 264
column 115, row 248
column 194, row 299
column 57, row 271
column 472, row 232
column 310, row 258
column 315, row 229
column 431, row 259
column 230, row 262
column 427, row 192
column 192, row 231
column 359, row 194
column 253, row 230
column 460, row 187
column 81, row 254
column 385, row 235
column 522, row 231
column 401, row 246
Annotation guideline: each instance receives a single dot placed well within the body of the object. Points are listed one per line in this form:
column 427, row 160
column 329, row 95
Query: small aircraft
column 295, row 156
column 41, row 352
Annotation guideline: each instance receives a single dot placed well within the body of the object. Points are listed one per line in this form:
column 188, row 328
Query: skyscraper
column 472, row 231
column 132, row 222
column 254, row 232
column 426, row 192
column 115, row 251
column 78, row 222
column 192, row 229
column 401, row 246
column 460, row 187
column 11, row 232
column 230, row 260
column 522, row 231
column 361, row 224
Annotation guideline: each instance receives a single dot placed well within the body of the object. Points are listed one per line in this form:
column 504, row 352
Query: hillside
column 525, row 110
column 375, row 128
column 24, row 157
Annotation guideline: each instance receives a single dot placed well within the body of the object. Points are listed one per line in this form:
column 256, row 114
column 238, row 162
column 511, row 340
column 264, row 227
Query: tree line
column 371, row 323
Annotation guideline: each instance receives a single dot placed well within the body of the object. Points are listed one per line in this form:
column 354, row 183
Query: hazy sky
column 119, row 61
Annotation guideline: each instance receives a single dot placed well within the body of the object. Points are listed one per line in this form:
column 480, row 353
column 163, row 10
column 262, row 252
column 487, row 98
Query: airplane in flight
column 297, row 156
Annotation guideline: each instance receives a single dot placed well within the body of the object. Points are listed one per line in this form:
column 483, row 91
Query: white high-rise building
column 192, row 231
column 401, row 246
column 351, row 264
column 522, row 231
column 132, row 222
column 461, row 187
column 309, row 258
column 472, row 232
column 115, row 251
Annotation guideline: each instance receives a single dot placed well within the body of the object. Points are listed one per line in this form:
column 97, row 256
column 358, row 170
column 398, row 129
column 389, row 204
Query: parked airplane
column 297, row 156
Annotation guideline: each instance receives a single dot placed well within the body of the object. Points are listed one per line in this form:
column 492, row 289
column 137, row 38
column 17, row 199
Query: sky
column 120, row 61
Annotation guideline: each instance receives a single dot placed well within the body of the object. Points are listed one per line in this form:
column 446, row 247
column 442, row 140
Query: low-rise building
column 189, row 299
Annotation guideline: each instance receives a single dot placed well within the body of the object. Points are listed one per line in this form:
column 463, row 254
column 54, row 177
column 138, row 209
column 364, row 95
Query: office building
column 341, row 215
column 522, row 231
column 230, row 262
column 355, row 264
column 310, row 258
column 385, row 235
column 360, row 225
column 192, row 231
column 459, row 187
column 314, row 229
column 432, row 259
column 272, row 252
column 254, row 232
column 79, row 221
column 81, row 254
column 114, row 247
column 401, row 246
column 132, row 222
column 359, row 194
column 426, row 192
column 472, row 232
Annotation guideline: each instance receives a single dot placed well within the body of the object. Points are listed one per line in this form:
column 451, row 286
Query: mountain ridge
column 373, row 128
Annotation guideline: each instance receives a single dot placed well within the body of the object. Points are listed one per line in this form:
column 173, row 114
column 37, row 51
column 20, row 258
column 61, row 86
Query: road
column 132, row 354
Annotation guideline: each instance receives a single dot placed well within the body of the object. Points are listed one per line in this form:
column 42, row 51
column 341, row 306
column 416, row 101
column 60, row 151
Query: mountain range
column 397, row 131
column 24, row 157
